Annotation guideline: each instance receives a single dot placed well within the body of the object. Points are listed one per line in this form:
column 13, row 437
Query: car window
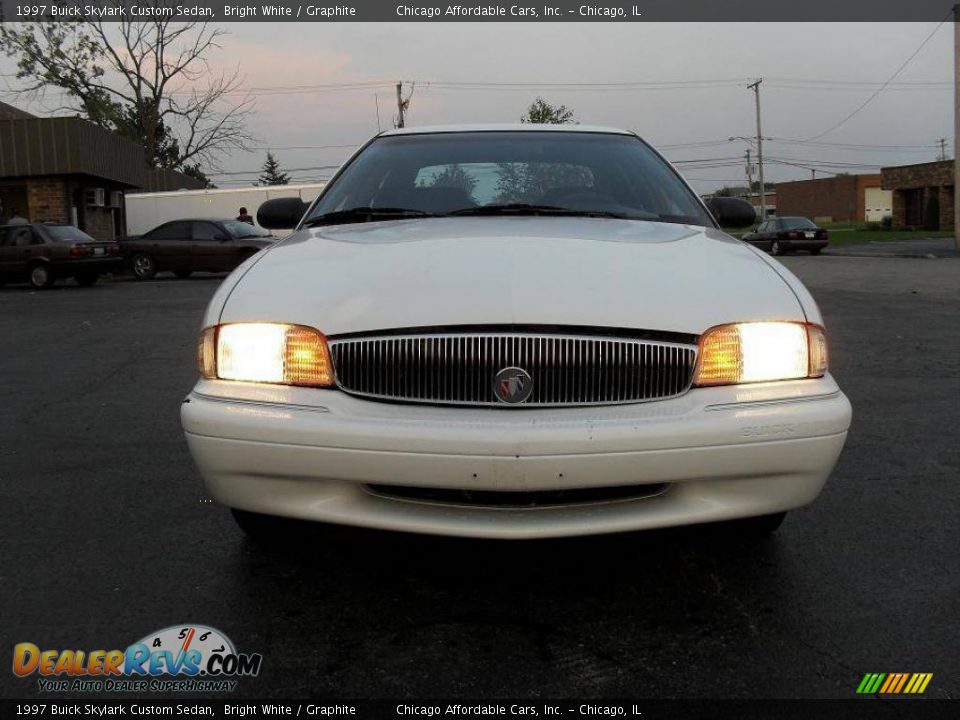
column 797, row 224
column 440, row 173
column 66, row 233
column 206, row 231
column 171, row 231
column 245, row 230
column 16, row 236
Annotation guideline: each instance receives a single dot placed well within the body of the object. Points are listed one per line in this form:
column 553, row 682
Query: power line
column 307, row 147
column 289, row 170
column 880, row 89
column 852, row 146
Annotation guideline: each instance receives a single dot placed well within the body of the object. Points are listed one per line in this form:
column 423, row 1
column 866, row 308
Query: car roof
column 198, row 219
column 503, row 127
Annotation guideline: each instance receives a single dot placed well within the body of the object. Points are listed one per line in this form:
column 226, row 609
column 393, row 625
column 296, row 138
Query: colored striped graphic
column 894, row 683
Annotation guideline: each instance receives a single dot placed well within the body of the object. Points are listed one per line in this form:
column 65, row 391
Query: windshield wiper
column 365, row 214
column 532, row 209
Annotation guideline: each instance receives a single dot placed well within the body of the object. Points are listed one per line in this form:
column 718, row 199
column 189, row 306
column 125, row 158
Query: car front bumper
column 721, row 453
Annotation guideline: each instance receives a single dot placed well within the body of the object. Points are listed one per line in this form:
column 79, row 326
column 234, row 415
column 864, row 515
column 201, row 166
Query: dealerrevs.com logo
column 180, row 658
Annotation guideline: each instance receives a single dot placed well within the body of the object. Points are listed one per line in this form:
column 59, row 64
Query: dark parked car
column 187, row 246
column 43, row 253
column 782, row 234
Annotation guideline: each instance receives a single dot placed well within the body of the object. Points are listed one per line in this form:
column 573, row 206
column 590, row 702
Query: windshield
column 797, row 224
column 525, row 172
column 67, row 233
column 244, row 230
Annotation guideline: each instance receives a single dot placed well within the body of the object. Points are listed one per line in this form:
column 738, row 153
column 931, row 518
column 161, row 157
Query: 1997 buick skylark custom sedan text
column 512, row 332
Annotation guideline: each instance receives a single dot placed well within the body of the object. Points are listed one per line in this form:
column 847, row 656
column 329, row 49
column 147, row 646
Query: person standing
column 16, row 219
column 244, row 217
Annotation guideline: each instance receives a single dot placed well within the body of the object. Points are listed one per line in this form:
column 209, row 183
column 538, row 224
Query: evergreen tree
column 272, row 175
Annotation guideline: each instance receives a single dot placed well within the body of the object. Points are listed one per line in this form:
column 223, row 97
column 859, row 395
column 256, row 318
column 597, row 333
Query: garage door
column 878, row 204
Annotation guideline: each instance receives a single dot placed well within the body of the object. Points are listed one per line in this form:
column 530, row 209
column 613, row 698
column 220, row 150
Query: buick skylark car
column 512, row 332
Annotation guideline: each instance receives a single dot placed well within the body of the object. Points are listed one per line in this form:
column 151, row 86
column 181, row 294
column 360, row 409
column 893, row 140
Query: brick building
column 842, row 198
column 922, row 194
column 70, row 170
column 769, row 201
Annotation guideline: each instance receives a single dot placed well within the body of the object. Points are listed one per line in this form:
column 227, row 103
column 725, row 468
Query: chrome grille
column 460, row 368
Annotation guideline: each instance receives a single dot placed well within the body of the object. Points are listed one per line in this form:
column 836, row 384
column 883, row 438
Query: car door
column 169, row 245
column 18, row 246
column 212, row 248
column 758, row 234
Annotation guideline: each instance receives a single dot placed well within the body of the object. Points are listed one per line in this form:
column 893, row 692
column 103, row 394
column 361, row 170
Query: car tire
column 41, row 276
column 183, row 274
column 144, row 267
column 86, row 279
column 775, row 248
column 816, row 251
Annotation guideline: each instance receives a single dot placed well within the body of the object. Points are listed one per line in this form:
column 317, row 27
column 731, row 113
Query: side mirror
column 732, row 212
column 281, row 213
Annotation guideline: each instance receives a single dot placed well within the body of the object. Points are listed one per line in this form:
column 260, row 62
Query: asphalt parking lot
column 107, row 535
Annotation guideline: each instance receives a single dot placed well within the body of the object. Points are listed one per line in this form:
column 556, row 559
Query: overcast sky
column 721, row 56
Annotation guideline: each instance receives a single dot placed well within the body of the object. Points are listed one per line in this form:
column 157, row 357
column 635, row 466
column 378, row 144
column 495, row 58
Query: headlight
column 266, row 353
column 760, row 352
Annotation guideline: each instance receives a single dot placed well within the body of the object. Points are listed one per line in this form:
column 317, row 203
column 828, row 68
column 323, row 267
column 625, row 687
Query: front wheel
column 775, row 248
column 41, row 276
column 86, row 279
column 144, row 267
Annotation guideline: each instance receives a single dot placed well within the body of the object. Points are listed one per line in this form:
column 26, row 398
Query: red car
column 42, row 253
column 192, row 245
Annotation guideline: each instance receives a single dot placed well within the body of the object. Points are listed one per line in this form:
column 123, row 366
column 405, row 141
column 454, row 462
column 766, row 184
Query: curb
column 914, row 256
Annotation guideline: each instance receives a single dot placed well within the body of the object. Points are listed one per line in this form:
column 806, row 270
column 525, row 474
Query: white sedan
column 512, row 332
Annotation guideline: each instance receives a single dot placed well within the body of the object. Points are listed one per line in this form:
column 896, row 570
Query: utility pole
column 400, row 104
column 763, row 193
column 942, row 142
column 956, row 125
column 749, row 175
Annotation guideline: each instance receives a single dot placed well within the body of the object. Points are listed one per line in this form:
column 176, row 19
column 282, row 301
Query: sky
column 695, row 96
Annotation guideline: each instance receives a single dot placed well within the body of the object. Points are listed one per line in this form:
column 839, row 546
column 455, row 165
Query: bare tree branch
column 149, row 81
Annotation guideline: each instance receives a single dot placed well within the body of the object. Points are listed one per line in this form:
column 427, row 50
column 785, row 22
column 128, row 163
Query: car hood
column 509, row 270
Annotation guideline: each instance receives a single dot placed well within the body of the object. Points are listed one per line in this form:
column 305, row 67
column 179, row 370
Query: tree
column 150, row 82
column 271, row 174
column 452, row 176
column 195, row 172
column 542, row 112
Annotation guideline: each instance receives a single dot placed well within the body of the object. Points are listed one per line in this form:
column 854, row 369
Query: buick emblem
column 512, row 385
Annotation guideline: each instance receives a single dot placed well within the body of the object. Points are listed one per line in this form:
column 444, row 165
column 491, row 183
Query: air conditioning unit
column 116, row 199
column 95, row 197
